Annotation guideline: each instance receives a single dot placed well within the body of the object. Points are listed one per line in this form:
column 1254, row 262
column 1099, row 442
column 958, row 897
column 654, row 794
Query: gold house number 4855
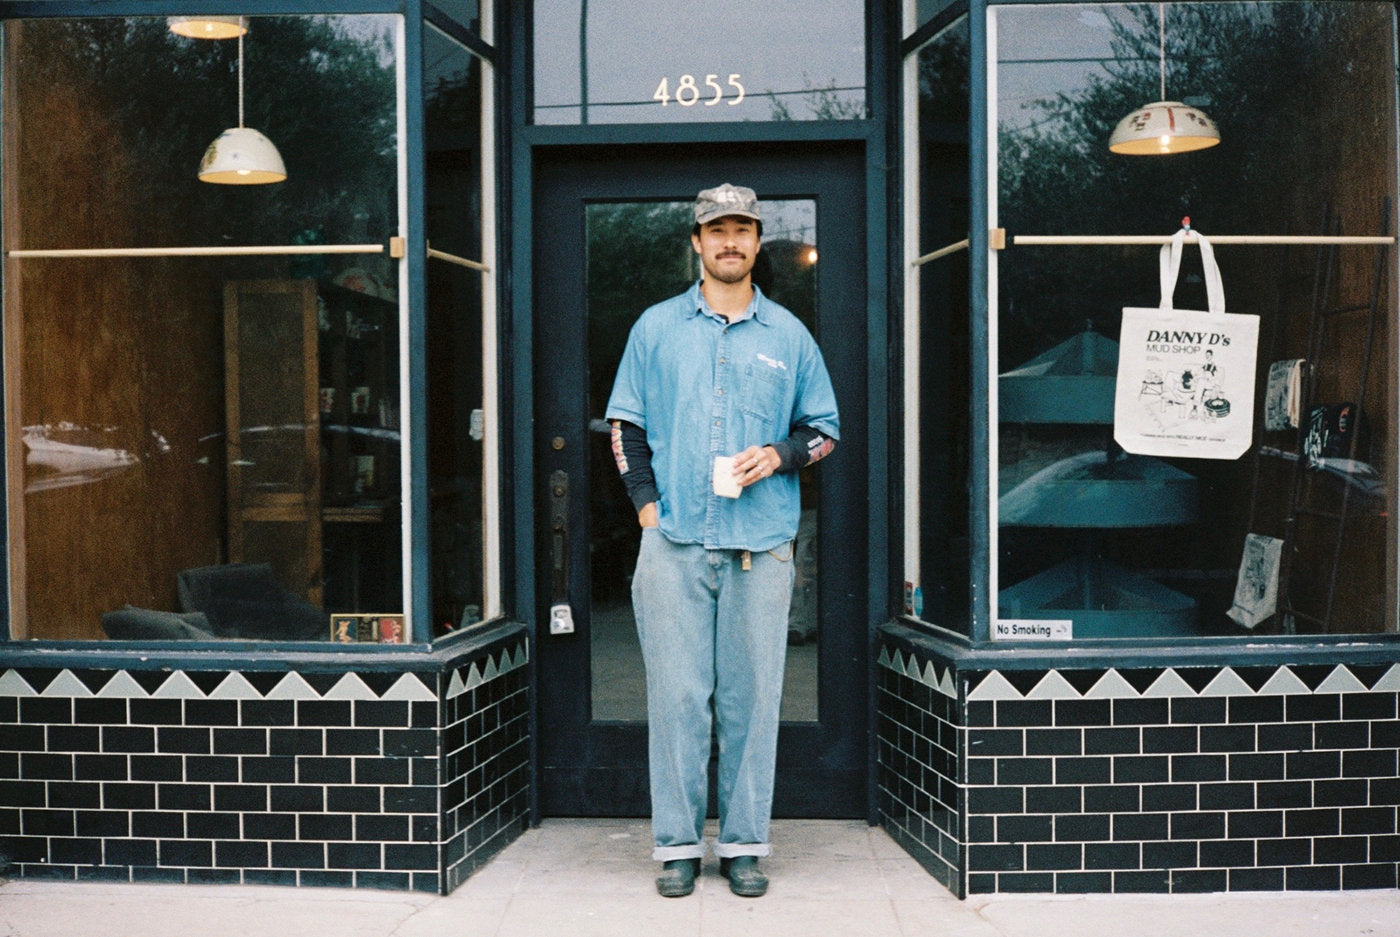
column 688, row 92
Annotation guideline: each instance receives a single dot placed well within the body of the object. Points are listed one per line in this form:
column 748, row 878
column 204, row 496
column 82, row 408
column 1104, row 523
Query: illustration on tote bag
column 1185, row 384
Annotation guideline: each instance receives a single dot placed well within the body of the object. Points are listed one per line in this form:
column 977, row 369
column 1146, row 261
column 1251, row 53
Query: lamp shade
column 242, row 156
column 1161, row 128
column 207, row 27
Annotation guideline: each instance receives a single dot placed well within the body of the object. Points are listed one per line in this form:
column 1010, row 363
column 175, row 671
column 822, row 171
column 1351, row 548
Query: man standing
column 721, row 396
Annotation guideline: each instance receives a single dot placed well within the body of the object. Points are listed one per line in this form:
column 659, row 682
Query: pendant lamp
column 206, row 27
column 241, row 155
column 1163, row 127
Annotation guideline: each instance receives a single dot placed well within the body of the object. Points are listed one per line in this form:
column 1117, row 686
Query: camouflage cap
column 725, row 200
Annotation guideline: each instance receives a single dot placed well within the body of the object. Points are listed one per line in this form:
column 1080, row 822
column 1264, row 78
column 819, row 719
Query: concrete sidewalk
column 581, row 878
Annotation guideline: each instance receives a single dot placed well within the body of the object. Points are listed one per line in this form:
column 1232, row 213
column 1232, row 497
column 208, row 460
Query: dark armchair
column 245, row 600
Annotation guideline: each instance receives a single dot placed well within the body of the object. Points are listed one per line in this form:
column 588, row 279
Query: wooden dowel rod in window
column 203, row 251
column 459, row 261
column 943, row 252
column 1077, row 239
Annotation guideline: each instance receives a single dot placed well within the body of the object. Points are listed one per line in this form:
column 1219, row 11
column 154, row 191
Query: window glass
column 466, row 12
column 937, row 360
column 457, row 423
column 926, row 10
column 202, row 445
column 633, row 262
column 639, row 61
column 1295, row 535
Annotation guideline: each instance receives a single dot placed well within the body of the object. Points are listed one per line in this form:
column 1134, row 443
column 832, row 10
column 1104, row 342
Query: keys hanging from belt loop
column 746, row 561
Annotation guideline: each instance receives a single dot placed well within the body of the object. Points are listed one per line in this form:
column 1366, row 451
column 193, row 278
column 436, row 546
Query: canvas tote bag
column 1185, row 382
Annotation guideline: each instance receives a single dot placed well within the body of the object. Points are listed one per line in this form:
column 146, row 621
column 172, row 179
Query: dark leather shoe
column 677, row 878
column 744, row 878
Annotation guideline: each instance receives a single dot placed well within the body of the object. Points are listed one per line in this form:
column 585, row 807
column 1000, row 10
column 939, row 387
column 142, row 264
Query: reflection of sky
column 444, row 59
column 463, row 11
column 374, row 31
column 777, row 46
column 794, row 220
column 1043, row 51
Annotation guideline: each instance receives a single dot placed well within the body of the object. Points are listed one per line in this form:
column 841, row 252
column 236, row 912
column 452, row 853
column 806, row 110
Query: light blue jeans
column 714, row 640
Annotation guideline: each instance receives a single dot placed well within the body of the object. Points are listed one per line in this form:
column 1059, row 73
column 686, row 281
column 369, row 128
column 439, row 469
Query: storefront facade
column 317, row 563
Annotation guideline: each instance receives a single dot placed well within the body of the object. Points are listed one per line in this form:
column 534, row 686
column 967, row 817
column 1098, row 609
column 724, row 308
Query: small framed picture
column 364, row 473
column 353, row 629
column 391, row 629
column 369, row 628
column 359, row 399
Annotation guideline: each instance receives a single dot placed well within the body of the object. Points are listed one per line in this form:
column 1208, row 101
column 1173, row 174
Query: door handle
column 561, row 615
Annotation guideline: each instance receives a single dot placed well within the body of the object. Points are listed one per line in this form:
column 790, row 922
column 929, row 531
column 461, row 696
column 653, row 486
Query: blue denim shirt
column 702, row 387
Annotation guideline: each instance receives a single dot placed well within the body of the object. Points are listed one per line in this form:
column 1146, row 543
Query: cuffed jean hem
column 733, row 850
column 688, row 851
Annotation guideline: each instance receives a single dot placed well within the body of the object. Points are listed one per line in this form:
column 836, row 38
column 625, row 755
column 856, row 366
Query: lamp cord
column 240, row 81
column 1161, row 46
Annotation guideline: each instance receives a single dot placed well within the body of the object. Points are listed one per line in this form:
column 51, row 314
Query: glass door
column 613, row 237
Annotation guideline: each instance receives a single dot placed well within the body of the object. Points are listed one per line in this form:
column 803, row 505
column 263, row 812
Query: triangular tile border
column 1390, row 683
column 1169, row 685
column 235, row 686
column 122, row 687
column 994, row 687
column 350, row 687
column 410, row 688
column 1227, row 683
column 12, row 684
column 1284, row 682
column 1145, row 682
column 66, row 684
column 1054, row 686
column 986, row 686
column 293, row 687
column 1112, row 685
column 1342, row 680
column 179, row 686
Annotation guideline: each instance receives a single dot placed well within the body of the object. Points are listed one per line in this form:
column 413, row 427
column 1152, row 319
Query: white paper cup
column 726, row 485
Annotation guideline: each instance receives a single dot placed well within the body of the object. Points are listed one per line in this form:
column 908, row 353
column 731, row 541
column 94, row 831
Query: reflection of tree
column 324, row 97
column 639, row 253
column 945, row 66
column 452, row 133
column 832, row 102
column 1257, row 65
column 789, row 278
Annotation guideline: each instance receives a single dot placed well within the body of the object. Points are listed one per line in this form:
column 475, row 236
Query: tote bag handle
column 1169, row 262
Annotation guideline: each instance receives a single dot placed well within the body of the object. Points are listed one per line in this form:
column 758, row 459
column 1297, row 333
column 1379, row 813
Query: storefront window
column 467, row 13
column 937, row 332
column 461, row 420
column 925, row 10
column 1296, row 534
column 203, row 419
column 644, row 62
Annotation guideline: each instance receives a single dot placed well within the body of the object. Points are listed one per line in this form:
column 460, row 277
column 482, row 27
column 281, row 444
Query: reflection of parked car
column 64, row 454
column 368, row 432
column 61, row 455
column 279, row 445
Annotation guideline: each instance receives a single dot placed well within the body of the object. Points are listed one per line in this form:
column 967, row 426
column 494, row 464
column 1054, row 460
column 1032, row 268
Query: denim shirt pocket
column 765, row 392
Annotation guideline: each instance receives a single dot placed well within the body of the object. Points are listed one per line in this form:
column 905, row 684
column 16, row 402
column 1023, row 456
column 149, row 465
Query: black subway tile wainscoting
column 1167, row 779
column 345, row 776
